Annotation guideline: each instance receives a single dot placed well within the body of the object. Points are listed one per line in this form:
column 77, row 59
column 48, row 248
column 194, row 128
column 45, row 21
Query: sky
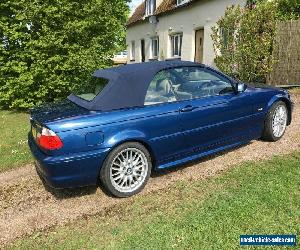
column 134, row 4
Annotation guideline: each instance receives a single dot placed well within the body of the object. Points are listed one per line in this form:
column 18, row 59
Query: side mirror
column 240, row 87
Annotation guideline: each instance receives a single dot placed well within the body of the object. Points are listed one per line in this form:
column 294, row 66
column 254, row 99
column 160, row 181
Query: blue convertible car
column 134, row 119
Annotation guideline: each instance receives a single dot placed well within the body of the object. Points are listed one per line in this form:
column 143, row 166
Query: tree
column 289, row 9
column 49, row 48
column 286, row 9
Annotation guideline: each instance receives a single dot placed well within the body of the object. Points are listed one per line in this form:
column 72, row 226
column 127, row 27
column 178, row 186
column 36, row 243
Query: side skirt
column 200, row 155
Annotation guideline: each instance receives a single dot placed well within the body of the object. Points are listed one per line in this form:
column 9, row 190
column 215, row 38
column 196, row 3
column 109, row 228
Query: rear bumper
column 74, row 170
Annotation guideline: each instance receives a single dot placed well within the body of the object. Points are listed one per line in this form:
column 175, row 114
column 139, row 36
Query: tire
column 122, row 178
column 270, row 133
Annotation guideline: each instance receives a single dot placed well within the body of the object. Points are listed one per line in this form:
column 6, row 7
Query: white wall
column 158, row 2
column 202, row 14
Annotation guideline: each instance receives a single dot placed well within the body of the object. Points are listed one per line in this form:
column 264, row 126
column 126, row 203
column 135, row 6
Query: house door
column 143, row 50
column 199, row 39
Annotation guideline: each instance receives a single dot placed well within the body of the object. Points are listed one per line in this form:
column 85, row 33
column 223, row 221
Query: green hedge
column 49, row 48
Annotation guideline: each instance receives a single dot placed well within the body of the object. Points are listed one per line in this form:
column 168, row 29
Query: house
column 174, row 30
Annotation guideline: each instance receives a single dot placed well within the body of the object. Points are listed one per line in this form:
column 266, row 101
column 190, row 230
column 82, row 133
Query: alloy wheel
column 128, row 170
column 279, row 121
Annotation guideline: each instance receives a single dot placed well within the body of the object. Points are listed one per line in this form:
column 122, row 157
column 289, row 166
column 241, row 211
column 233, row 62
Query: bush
column 243, row 41
column 51, row 47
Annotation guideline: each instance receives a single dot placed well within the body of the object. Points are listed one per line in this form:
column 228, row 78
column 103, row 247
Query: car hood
column 57, row 111
column 264, row 86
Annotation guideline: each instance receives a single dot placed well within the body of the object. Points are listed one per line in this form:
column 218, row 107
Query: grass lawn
column 13, row 144
column 253, row 198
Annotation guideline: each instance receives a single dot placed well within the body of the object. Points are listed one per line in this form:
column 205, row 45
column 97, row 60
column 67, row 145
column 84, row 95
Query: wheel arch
column 140, row 141
column 287, row 103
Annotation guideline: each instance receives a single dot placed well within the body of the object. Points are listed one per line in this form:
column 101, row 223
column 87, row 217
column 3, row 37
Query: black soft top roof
column 127, row 86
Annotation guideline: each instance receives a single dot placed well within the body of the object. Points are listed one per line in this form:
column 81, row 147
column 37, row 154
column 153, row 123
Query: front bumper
column 74, row 170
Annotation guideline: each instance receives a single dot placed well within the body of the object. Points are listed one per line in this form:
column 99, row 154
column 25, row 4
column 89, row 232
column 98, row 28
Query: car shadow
column 68, row 193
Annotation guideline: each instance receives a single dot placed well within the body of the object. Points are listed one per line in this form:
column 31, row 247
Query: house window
column 180, row 2
column 228, row 37
column 132, row 51
column 154, row 47
column 176, row 45
column 150, row 7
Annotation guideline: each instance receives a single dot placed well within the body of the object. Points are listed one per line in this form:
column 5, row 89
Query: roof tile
column 164, row 7
column 138, row 14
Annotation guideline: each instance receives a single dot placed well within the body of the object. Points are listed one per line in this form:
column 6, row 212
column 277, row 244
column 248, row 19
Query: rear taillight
column 49, row 140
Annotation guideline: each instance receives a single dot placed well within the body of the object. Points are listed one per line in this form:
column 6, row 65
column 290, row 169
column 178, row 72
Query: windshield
column 91, row 88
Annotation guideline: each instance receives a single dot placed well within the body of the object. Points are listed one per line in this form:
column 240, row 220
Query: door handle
column 188, row 108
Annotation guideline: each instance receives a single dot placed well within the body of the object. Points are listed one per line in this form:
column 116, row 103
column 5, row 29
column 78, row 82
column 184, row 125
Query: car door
column 162, row 124
column 211, row 114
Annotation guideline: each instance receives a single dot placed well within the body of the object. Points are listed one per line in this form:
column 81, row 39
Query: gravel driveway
column 26, row 205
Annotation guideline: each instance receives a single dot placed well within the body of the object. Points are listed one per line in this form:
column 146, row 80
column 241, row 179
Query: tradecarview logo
column 268, row 240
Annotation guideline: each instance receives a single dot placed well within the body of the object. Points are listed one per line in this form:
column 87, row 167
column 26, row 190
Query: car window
column 194, row 82
column 90, row 89
column 160, row 89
